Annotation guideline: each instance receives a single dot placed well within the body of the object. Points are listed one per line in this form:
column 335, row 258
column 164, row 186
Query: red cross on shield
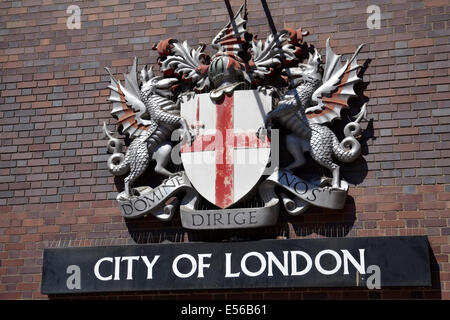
column 226, row 158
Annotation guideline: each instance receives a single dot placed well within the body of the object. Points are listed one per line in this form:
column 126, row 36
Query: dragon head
column 155, row 85
column 306, row 72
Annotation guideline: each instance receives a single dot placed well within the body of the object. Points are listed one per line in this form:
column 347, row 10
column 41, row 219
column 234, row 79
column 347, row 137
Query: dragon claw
column 263, row 132
column 123, row 196
column 313, row 109
column 269, row 90
column 188, row 137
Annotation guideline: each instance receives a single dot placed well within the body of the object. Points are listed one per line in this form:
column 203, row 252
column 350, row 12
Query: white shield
column 226, row 159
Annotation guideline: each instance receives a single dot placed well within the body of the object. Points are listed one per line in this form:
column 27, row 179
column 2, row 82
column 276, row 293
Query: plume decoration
column 188, row 63
column 270, row 54
column 233, row 38
column 337, row 87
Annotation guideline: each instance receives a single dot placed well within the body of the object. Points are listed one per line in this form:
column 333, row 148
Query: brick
column 420, row 43
column 32, row 222
column 389, row 206
column 405, row 131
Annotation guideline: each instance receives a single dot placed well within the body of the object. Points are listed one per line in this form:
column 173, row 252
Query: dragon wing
column 128, row 108
column 188, row 63
column 336, row 89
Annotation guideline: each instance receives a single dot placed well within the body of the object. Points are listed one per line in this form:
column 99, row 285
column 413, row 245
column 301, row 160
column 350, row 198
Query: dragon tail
column 118, row 164
column 349, row 149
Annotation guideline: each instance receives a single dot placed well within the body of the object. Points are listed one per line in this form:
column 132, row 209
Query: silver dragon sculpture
column 314, row 100
column 309, row 98
column 148, row 116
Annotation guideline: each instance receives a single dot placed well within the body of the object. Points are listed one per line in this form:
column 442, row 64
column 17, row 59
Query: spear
column 274, row 32
column 231, row 14
column 230, row 11
column 269, row 17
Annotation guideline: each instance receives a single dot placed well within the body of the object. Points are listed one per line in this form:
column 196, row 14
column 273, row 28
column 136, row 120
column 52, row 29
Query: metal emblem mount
column 215, row 120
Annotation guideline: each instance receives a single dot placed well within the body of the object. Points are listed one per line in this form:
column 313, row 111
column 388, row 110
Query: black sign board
column 372, row 262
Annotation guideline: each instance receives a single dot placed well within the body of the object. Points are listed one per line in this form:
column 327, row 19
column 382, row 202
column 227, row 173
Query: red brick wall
column 55, row 189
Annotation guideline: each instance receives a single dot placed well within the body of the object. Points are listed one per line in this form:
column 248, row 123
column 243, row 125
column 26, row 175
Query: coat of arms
column 209, row 127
